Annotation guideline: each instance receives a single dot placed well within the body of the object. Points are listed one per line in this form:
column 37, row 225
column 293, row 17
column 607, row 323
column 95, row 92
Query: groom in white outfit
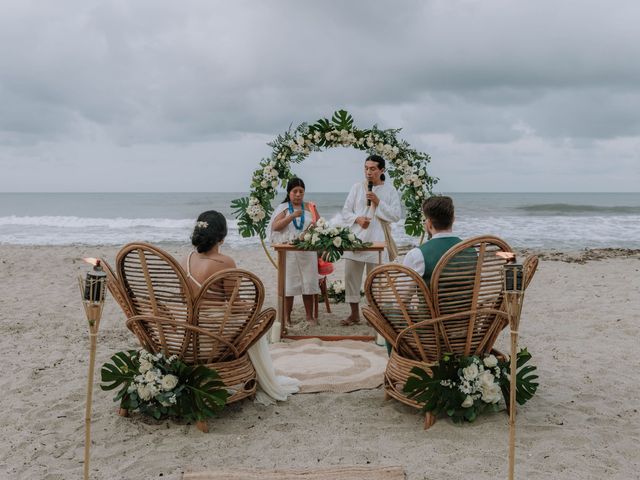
column 370, row 208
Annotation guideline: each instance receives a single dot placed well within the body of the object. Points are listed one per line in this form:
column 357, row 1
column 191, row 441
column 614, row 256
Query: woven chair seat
column 396, row 375
column 238, row 375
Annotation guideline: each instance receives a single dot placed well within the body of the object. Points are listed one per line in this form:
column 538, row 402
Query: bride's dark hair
column 293, row 183
column 210, row 229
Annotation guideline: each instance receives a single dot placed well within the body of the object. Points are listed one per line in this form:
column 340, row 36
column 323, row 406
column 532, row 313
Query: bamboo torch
column 92, row 291
column 514, row 294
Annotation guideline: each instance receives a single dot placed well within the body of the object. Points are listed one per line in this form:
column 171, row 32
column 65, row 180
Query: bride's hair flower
column 202, row 224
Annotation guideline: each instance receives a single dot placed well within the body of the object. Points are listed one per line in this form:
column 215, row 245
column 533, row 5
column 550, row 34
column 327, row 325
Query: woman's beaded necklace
column 298, row 226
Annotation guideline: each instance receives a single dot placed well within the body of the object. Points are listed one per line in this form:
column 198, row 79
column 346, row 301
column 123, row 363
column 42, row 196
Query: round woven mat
column 340, row 366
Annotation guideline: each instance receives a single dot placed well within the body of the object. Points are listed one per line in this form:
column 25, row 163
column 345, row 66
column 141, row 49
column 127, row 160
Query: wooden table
column 282, row 249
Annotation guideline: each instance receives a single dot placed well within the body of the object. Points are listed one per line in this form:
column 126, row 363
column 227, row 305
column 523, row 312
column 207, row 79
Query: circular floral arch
column 405, row 166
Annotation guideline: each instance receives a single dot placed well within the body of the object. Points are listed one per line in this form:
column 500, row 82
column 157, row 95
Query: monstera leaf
column 120, row 372
column 526, row 386
column 208, row 394
column 426, row 389
column 342, row 120
column 413, row 226
column 245, row 226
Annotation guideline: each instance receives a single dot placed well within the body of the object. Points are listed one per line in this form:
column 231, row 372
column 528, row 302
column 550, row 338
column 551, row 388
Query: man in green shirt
column 439, row 214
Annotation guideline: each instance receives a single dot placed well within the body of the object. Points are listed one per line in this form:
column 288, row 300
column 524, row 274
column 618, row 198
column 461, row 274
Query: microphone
column 370, row 188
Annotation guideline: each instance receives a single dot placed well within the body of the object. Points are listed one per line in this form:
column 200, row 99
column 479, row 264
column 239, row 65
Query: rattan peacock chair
column 214, row 326
column 462, row 312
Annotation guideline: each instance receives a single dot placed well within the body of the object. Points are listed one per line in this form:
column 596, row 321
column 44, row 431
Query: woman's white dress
column 270, row 386
column 302, row 267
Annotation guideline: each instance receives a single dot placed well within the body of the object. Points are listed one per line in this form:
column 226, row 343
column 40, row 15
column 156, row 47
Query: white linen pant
column 353, row 278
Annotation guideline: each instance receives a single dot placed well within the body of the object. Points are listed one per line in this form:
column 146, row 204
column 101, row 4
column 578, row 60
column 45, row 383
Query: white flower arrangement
column 406, row 167
column 152, row 383
column 332, row 241
column 464, row 386
column 336, row 292
column 159, row 386
column 255, row 211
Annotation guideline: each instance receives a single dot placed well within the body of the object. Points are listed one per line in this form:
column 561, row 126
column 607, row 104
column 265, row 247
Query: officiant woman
column 289, row 220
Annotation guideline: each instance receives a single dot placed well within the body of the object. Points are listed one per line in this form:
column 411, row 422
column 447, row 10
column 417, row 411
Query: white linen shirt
column 355, row 206
column 414, row 258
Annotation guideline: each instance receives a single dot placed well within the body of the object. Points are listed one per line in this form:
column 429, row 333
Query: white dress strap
column 189, row 276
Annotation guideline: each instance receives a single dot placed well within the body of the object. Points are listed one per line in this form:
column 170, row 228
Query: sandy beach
column 580, row 322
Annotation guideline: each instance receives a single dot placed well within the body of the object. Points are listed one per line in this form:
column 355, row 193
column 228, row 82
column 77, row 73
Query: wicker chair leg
column 123, row 412
column 429, row 420
column 202, row 426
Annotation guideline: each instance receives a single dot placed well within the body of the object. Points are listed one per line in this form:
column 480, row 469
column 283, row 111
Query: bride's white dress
column 271, row 387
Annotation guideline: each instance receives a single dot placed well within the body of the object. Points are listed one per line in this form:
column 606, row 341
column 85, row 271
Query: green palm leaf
column 526, row 386
column 120, row 372
column 342, row 120
column 413, row 226
column 208, row 394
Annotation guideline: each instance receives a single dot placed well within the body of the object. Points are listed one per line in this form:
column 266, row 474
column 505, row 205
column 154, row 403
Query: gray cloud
column 488, row 76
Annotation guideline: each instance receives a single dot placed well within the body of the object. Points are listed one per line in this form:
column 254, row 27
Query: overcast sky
column 183, row 96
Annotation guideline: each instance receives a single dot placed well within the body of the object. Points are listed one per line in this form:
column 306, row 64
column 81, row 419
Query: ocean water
column 562, row 221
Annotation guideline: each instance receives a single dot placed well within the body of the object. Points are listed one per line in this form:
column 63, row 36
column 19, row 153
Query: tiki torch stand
column 514, row 295
column 92, row 291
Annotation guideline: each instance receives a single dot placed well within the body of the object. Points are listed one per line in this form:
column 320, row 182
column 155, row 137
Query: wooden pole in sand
column 92, row 290
column 514, row 293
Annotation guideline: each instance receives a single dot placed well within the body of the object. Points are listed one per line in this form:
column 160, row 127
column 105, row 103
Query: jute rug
column 340, row 366
column 332, row 473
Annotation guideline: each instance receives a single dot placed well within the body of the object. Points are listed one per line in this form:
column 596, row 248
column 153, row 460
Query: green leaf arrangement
column 440, row 391
column 194, row 392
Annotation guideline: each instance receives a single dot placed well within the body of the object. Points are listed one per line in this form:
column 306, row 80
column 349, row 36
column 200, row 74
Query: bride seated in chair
column 207, row 238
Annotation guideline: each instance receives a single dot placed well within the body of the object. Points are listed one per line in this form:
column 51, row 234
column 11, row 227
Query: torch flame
column 508, row 256
column 91, row 261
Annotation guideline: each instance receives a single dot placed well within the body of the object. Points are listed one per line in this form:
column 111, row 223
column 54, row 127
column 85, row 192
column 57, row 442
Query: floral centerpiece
column 336, row 292
column 159, row 386
column 406, row 167
column 332, row 241
column 462, row 387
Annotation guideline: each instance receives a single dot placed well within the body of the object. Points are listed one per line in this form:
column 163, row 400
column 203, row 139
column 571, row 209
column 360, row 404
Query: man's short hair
column 439, row 209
